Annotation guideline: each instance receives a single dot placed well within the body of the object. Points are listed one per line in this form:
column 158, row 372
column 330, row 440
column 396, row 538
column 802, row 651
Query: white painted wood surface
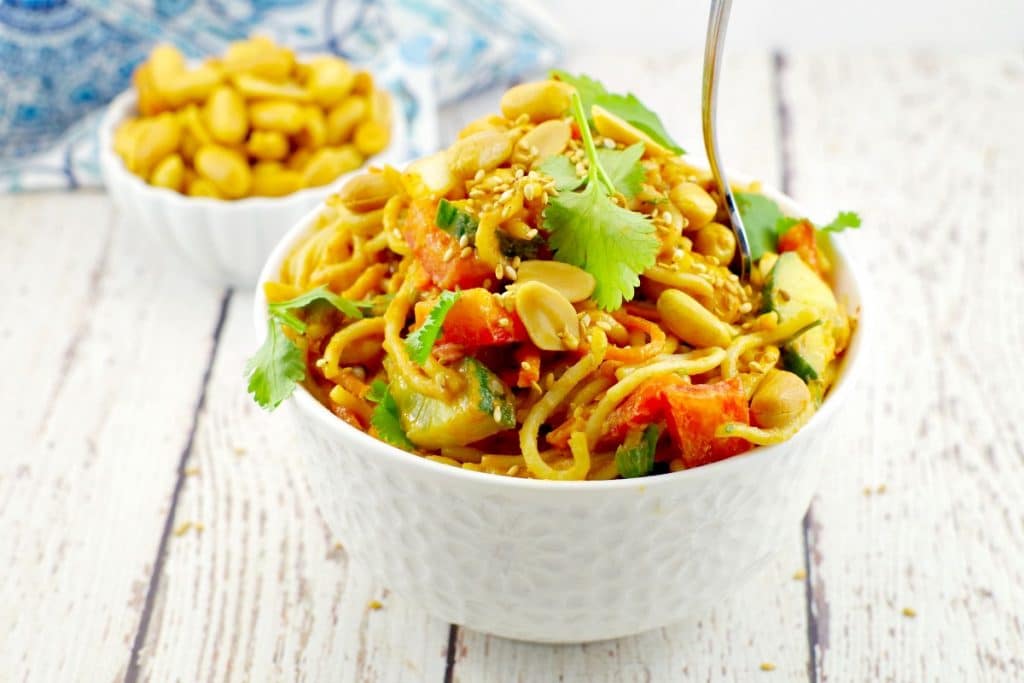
column 116, row 437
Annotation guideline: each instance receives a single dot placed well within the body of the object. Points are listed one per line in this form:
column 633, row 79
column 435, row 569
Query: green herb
column 277, row 366
column 589, row 230
column 378, row 390
column 622, row 166
column 765, row 223
column 638, row 460
column 627, row 107
column 421, row 341
column 488, row 396
column 385, row 420
column 455, row 221
column 524, row 249
column 845, row 219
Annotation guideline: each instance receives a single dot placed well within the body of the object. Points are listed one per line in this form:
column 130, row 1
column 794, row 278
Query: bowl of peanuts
column 214, row 160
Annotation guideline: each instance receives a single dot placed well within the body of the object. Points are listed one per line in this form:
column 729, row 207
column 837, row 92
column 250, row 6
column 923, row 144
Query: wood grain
column 104, row 358
column 930, row 149
column 255, row 588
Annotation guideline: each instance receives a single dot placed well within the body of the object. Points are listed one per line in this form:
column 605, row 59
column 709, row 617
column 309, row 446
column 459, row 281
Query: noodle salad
column 551, row 297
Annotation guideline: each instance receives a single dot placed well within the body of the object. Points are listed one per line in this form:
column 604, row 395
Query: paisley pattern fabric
column 62, row 60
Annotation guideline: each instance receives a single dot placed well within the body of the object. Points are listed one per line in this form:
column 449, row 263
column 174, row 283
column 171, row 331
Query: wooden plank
column 264, row 592
column 766, row 620
column 105, row 351
column 931, row 151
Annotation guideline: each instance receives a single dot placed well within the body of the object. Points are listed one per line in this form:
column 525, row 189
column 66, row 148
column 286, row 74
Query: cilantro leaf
column 638, row 460
column 564, row 173
column 589, row 88
column 421, row 341
column 845, row 219
column 455, row 221
column 623, row 167
column 282, row 309
column 761, row 216
column 275, row 368
column 611, row 243
column 385, row 420
column 378, row 389
column 587, row 229
column 630, row 109
column 627, row 107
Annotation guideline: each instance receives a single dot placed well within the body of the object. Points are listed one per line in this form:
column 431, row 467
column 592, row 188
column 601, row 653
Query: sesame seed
column 745, row 307
column 510, row 273
column 524, row 365
column 534, row 152
column 604, row 325
column 359, row 371
column 513, row 471
column 516, row 261
column 505, row 196
column 531, row 233
column 880, row 489
column 466, row 252
column 496, row 414
column 585, row 319
column 519, row 173
column 529, row 191
column 449, row 253
column 464, row 241
column 375, row 604
column 609, row 143
column 487, row 283
column 571, row 341
column 504, row 322
column 499, row 272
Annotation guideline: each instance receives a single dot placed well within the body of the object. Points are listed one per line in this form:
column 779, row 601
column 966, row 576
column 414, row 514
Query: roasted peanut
column 169, row 173
column 546, row 140
column 153, row 139
column 343, row 119
column 314, row 128
column 271, row 179
column 280, row 115
column 779, row 399
column 225, row 116
column 367, row 192
column 485, row 150
column 430, row 176
column 255, row 88
column 260, row 57
column 202, row 187
column 371, row 137
column 190, row 86
column 612, row 126
column 328, row 163
column 691, row 322
column 549, row 318
column 717, row 242
column 330, row 80
column 225, row 168
column 267, row 145
column 540, row 100
column 575, row 284
column 695, row 203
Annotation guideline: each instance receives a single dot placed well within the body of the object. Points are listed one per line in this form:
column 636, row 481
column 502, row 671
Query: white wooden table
column 156, row 525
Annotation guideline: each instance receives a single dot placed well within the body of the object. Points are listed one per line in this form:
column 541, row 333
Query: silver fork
column 714, row 46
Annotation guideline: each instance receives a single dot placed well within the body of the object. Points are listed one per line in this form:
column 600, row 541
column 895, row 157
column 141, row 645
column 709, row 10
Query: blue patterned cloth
column 62, row 60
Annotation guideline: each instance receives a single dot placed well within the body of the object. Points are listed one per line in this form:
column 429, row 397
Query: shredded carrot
column 637, row 354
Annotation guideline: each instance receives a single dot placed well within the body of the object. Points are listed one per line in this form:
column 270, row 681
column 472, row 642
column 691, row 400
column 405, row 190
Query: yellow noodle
column 462, row 453
column 344, row 398
column 586, row 393
column 367, row 327
column 551, row 400
column 767, row 437
column 743, row 343
column 691, row 363
column 443, row 460
column 688, row 282
column 369, row 281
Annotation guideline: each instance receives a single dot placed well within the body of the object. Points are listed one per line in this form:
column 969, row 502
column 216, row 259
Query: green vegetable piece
column 493, row 393
column 455, row 221
column 761, row 218
column 587, row 229
column 386, row 419
column 421, row 341
column 638, row 461
column 282, row 309
column 378, row 390
column 275, row 368
column 845, row 219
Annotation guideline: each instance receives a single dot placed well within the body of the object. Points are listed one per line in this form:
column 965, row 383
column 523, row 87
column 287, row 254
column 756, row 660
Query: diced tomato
column 645, row 405
column 476, row 319
column 430, row 244
column 695, row 411
column 801, row 239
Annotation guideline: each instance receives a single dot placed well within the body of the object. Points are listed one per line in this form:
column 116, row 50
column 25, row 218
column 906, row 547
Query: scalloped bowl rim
column 850, row 369
column 125, row 104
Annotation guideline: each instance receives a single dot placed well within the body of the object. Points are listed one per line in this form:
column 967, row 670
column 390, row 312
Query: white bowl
column 564, row 561
column 223, row 242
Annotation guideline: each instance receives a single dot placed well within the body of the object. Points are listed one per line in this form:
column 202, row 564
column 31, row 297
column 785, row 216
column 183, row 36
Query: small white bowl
column 552, row 561
column 223, row 242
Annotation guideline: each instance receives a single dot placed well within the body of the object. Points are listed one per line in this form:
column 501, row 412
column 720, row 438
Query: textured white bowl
column 564, row 561
column 223, row 242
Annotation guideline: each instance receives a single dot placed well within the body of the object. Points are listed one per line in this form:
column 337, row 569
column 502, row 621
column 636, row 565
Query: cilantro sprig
column 422, row 339
column 622, row 165
column 638, row 460
column 627, row 107
column 278, row 366
column 765, row 223
column 384, row 417
column 589, row 230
